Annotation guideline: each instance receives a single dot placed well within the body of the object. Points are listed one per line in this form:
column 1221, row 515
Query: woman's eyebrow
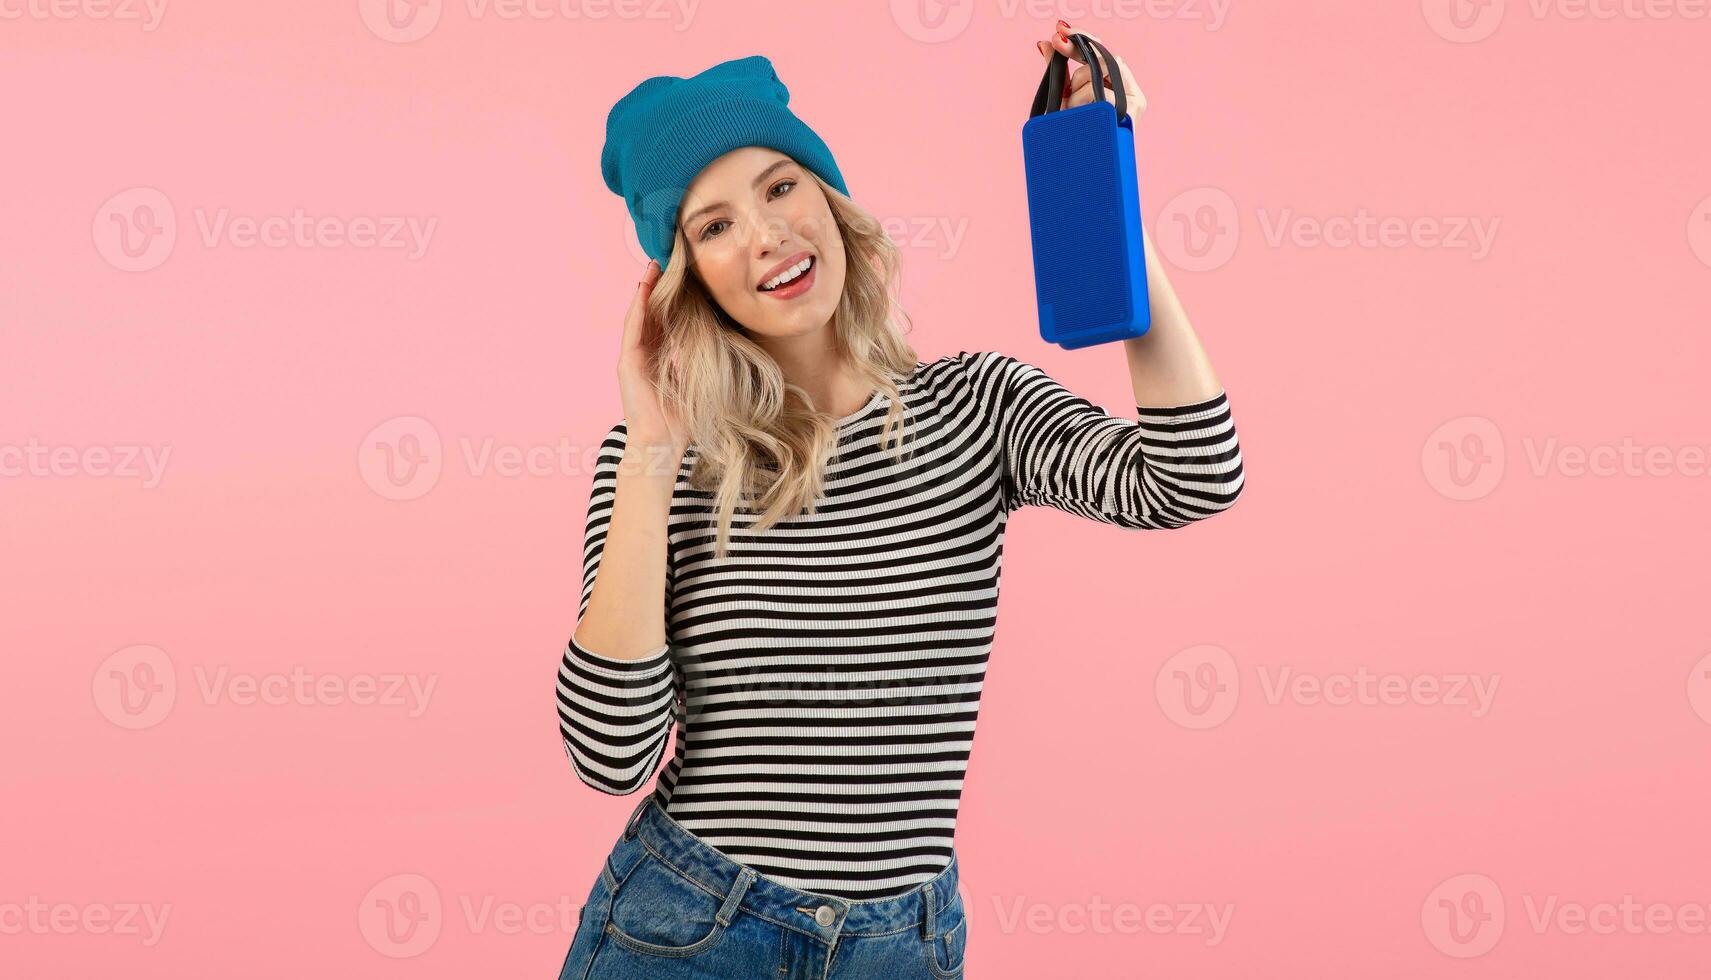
column 759, row 180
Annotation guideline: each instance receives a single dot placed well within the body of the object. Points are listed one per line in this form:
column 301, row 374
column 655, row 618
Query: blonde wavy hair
column 760, row 444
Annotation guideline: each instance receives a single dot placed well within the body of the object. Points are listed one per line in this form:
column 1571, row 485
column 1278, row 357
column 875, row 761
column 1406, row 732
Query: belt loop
column 635, row 816
column 928, row 899
column 735, row 896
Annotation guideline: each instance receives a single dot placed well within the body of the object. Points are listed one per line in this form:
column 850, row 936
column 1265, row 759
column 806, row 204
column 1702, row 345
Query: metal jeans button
column 825, row 915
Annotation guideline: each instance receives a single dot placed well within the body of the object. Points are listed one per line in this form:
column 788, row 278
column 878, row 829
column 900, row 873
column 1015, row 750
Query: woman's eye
column 708, row 232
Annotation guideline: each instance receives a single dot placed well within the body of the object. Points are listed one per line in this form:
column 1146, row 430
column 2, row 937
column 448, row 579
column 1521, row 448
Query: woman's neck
column 820, row 374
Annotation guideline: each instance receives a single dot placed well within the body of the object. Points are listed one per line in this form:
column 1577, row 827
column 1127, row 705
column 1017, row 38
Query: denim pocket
column 658, row 912
column 945, row 952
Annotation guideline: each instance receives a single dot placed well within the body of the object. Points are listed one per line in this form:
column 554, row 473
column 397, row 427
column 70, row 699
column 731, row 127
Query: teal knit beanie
column 667, row 129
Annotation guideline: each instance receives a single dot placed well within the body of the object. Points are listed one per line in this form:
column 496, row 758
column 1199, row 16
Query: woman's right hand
column 647, row 423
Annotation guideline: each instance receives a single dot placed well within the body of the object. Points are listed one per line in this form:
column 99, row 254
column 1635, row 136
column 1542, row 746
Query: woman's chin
column 798, row 323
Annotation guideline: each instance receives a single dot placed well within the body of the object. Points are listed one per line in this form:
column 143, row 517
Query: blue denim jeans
column 667, row 904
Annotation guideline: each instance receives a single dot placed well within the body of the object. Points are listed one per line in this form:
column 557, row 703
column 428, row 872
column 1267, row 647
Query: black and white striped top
column 824, row 678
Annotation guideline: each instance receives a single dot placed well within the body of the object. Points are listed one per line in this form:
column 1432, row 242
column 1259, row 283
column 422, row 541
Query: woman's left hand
column 1080, row 82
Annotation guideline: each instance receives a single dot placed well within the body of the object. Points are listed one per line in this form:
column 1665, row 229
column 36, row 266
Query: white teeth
column 789, row 274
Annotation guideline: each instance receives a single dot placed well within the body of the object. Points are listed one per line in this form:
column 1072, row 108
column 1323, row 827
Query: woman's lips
column 797, row 286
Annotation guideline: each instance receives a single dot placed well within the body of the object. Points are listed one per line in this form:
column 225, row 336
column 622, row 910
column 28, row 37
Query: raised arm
column 616, row 686
column 1167, row 468
column 1176, row 463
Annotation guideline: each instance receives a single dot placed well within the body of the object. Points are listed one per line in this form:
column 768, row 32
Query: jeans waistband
column 771, row 899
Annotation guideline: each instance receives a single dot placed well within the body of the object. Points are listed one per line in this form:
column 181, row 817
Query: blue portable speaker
column 1084, row 210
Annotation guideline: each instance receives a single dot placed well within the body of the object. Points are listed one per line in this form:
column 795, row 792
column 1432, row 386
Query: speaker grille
column 1075, row 205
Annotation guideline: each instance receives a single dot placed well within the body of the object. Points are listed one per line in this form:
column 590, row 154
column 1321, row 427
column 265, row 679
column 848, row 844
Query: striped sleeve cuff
column 1198, row 438
column 615, row 715
column 1199, row 411
column 1194, row 460
column 643, row 671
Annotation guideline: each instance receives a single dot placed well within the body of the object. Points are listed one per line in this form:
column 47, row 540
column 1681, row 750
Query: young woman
column 792, row 552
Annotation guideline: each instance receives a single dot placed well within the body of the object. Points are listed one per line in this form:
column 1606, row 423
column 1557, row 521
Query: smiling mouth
column 813, row 262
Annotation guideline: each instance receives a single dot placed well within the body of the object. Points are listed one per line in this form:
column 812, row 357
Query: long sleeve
column 1165, row 469
column 615, row 715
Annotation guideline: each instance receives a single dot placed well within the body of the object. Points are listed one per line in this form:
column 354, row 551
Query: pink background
column 1366, row 381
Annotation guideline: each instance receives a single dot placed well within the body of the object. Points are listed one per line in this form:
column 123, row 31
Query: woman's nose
column 771, row 230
